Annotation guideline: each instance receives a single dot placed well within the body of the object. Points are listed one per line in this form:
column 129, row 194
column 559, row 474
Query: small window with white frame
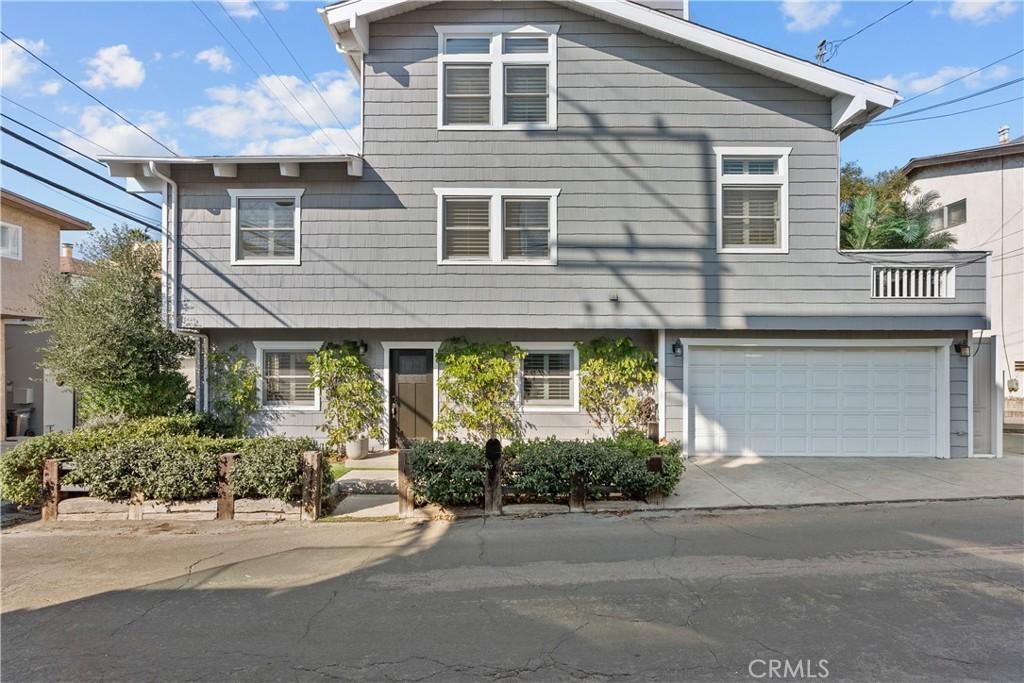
column 10, row 241
column 266, row 226
column 497, row 76
column 285, row 377
column 752, row 199
column 549, row 377
column 491, row 225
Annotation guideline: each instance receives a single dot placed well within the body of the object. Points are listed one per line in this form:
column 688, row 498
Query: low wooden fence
column 312, row 474
column 494, row 491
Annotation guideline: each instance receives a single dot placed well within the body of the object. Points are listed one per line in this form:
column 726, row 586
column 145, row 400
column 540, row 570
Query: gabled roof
column 1012, row 148
column 854, row 101
column 64, row 221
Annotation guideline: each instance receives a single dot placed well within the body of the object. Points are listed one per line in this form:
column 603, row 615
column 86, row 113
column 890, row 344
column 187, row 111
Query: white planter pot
column 357, row 448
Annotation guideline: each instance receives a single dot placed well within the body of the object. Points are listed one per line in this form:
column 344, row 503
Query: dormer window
column 496, row 77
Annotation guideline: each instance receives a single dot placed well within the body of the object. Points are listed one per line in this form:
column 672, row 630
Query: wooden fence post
column 492, row 488
column 312, row 484
column 655, row 464
column 225, row 494
column 135, row 505
column 51, row 488
column 577, row 493
column 406, row 503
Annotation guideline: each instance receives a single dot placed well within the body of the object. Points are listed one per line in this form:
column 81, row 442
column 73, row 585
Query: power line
column 248, row 64
column 54, row 141
column 87, row 93
column 273, row 72
column 306, row 75
column 952, row 101
column 81, row 168
column 952, row 113
column 960, row 78
column 827, row 49
column 63, row 188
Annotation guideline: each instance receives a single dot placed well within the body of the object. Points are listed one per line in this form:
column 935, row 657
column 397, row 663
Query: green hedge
column 452, row 473
column 166, row 458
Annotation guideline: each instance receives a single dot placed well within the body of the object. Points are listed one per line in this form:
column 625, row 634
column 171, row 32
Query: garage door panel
column 813, row 401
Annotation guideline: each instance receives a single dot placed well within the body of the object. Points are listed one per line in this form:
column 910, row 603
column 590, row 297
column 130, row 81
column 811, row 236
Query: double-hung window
column 10, row 241
column 265, row 227
column 752, row 198
column 549, row 377
column 285, row 378
column 489, row 225
column 496, row 76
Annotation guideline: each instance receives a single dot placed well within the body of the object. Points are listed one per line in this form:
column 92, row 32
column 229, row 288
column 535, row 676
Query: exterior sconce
column 964, row 349
column 362, row 347
column 677, row 348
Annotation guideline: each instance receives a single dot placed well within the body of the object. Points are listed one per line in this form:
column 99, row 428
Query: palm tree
column 899, row 226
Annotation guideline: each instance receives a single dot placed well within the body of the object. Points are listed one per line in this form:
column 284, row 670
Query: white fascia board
column 720, row 45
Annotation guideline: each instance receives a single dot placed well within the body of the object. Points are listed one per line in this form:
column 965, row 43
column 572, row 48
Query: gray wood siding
column 632, row 155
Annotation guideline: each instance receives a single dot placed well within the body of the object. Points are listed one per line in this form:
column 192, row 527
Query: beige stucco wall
column 994, row 189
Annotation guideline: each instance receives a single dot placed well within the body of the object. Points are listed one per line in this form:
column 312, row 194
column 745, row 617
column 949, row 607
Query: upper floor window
column 949, row 216
column 752, row 199
column 265, row 227
column 492, row 225
column 10, row 241
column 496, row 76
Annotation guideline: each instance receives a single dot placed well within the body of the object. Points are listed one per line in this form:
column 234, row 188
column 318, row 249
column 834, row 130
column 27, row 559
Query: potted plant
column 351, row 398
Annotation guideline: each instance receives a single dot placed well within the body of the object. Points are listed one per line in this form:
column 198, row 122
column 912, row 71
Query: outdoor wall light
column 964, row 349
column 362, row 347
column 677, row 348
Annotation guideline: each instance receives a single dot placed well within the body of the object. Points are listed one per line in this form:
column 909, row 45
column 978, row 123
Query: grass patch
column 339, row 469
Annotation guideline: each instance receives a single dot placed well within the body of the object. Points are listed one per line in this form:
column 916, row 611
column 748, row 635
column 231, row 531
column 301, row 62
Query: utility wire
column 81, row 168
column 303, row 71
column 87, row 93
column 273, row 71
column 54, row 141
column 103, row 205
column 952, row 101
column 827, row 49
column 952, row 113
column 959, row 78
column 245, row 61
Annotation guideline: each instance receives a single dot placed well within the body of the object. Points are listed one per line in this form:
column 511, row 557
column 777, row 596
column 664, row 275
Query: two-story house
column 549, row 172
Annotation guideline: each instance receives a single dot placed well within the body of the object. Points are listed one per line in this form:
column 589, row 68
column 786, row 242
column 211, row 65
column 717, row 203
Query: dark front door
column 412, row 396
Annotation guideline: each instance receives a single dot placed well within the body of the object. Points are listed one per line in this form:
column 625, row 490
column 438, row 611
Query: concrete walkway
column 745, row 482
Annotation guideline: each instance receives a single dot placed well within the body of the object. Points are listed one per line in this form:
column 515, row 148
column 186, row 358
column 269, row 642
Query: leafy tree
column 478, row 385
column 617, row 384
column 234, row 400
column 351, row 395
column 106, row 338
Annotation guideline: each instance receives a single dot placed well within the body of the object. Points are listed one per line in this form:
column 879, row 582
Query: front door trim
column 388, row 346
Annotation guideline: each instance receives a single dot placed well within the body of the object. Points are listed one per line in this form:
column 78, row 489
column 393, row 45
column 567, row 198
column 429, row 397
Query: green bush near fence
column 165, row 458
column 452, row 473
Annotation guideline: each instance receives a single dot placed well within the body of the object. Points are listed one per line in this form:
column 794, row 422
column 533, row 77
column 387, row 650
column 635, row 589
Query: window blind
column 286, row 379
column 467, row 228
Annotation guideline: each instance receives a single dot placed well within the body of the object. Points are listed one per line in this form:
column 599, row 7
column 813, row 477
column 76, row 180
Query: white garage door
column 813, row 401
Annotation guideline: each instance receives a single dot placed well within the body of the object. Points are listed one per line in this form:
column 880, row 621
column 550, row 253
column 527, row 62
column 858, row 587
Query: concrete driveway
column 745, row 482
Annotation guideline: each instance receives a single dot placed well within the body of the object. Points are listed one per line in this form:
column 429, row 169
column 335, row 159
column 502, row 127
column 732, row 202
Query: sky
column 193, row 80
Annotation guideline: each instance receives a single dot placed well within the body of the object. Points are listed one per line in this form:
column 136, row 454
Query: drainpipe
column 170, row 284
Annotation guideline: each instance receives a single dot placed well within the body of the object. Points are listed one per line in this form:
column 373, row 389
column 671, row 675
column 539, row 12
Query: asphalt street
column 930, row 592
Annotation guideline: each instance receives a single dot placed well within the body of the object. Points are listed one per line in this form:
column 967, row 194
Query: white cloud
column 916, row 83
column 106, row 130
column 216, row 59
column 807, row 15
column 15, row 63
column 50, row 88
column 114, row 66
column 246, row 9
column 981, row 11
column 264, row 115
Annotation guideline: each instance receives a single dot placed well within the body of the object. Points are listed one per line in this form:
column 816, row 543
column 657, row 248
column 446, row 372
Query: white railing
column 913, row 282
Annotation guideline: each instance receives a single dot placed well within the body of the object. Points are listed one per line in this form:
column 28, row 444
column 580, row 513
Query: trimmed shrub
column 21, row 468
column 636, row 443
column 270, row 468
column 447, row 472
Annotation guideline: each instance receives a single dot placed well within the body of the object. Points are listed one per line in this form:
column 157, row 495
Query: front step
column 367, row 482
column 366, row 506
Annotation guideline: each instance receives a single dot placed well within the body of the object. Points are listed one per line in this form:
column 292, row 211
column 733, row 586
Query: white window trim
column 262, row 347
column 14, row 255
column 780, row 179
column 574, row 373
column 497, row 237
column 497, row 61
column 294, row 193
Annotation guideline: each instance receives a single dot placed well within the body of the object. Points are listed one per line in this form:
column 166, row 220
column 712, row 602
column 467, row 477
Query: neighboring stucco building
column 29, row 249
column 981, row 196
